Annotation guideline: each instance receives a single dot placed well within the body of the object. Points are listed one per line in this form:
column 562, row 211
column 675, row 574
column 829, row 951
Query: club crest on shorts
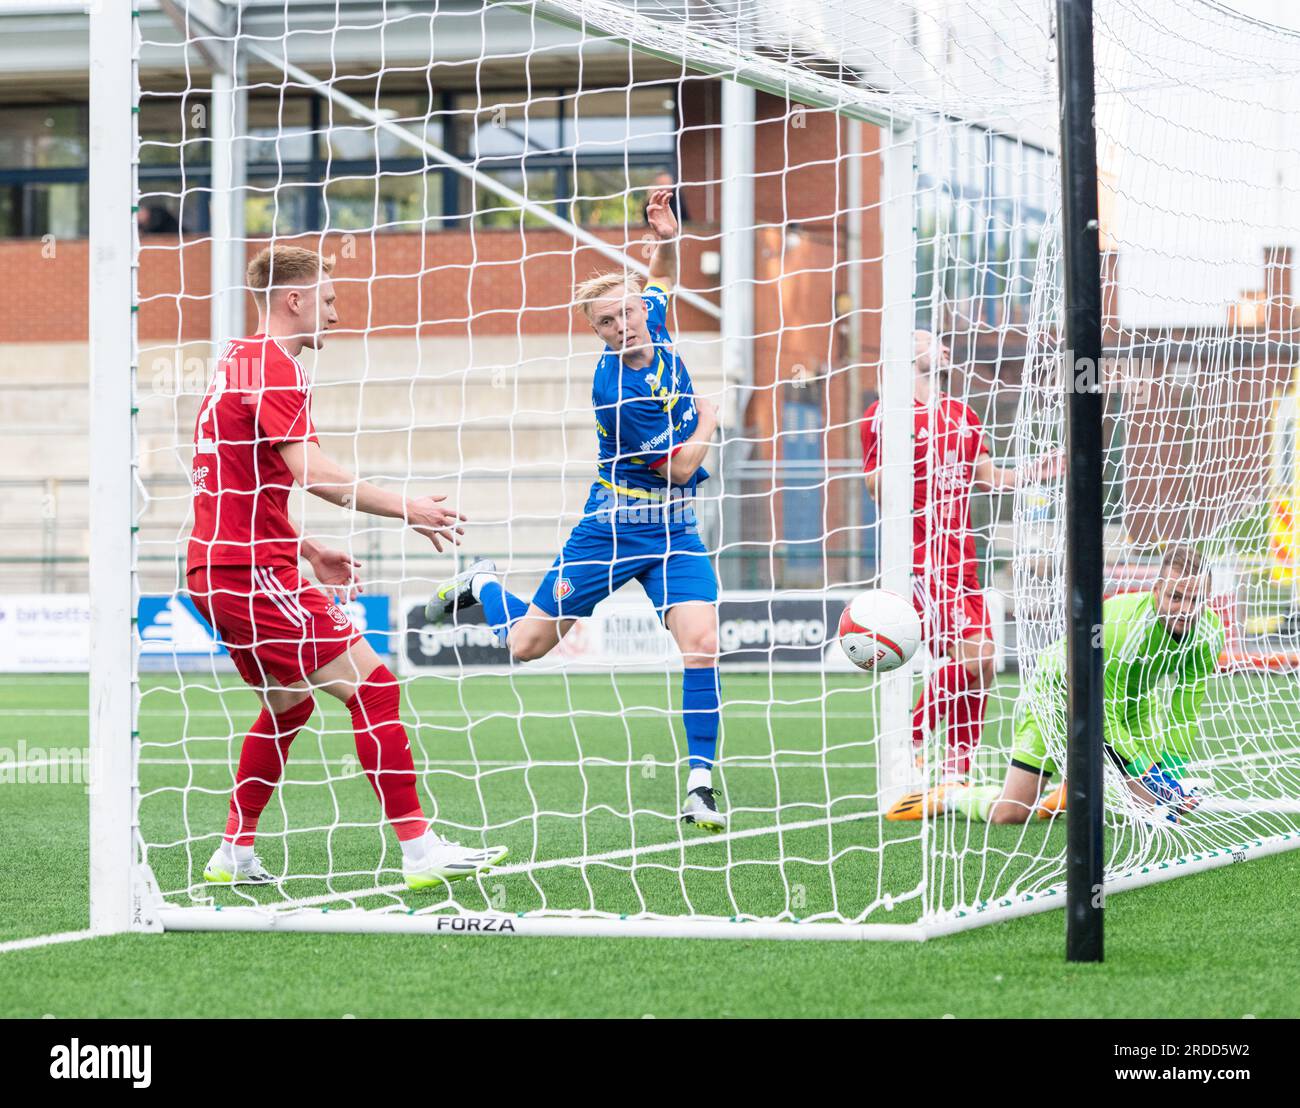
column 562, row 589
column 338, row 615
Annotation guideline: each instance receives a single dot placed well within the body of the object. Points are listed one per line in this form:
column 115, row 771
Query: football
column 879, row 630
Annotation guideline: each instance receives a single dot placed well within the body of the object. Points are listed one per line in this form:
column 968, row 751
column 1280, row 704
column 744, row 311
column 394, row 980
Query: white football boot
column 445, row 861
column 701, row 810
column 456, row 594
column 222, row 870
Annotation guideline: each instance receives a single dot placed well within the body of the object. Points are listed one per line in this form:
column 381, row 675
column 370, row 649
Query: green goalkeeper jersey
column 1154, row 683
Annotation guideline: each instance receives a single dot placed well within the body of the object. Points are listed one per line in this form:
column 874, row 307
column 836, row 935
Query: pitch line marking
column 595, row 859
column 47, row 940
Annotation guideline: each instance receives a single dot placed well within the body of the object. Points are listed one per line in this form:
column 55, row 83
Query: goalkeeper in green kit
column 1160, row 649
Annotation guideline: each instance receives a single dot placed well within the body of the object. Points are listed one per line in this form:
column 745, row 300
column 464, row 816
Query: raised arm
column 663, row 262
column 321, row 476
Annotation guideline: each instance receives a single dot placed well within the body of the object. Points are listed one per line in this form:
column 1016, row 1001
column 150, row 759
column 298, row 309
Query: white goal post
column 857, row 171
column 117, row 899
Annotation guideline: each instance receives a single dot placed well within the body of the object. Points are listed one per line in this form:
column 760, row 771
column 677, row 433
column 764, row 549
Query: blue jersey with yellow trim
column 644, row 415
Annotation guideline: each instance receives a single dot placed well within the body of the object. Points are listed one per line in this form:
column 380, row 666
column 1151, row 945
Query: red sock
column 385, row 752
column 966, row 727
column 966, row 702
column 951, row 695
column 925, row 713
column 261, row 762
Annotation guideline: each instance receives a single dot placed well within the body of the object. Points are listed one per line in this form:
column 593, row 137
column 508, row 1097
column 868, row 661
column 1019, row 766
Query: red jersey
column 259, row 399
column 949, row 450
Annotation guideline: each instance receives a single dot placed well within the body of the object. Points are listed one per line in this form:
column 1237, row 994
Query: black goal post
column 1085, row 863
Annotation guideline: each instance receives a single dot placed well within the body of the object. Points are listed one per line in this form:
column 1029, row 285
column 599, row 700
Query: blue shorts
column 672, row 566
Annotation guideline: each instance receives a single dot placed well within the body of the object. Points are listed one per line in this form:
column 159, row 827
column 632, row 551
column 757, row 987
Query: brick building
column 460, row 365
column 459, row 358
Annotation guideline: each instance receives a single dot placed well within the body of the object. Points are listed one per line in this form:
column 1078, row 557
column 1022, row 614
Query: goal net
column 844, row 174
column 1198, row 374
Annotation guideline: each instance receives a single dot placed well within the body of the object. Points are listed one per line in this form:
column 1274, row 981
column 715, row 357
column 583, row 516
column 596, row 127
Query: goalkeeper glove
column 1169, row 792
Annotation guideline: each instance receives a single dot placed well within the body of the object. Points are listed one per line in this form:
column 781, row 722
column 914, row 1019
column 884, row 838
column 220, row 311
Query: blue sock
column 700, row 714
column 503, row 609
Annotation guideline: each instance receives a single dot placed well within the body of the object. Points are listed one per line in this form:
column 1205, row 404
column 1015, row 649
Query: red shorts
column 277, row 627
column 950, row 613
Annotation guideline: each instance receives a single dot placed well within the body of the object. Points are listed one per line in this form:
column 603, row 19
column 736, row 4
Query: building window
column 590, row 157
column 587, row 156
column 43, row 180
column 981, row 204
column 802, row 477
column 54, row 136
column 392, row 202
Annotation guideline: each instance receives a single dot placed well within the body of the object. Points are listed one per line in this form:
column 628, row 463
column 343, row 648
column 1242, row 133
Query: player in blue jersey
column 653, row 433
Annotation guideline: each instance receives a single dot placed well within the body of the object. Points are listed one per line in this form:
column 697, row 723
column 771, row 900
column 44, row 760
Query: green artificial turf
column 582, row 774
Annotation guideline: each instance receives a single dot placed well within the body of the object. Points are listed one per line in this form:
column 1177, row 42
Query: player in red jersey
column 253, row 441
column 951, row 458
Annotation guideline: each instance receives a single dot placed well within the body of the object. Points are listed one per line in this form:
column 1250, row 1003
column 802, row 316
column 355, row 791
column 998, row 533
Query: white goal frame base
column 162, row 916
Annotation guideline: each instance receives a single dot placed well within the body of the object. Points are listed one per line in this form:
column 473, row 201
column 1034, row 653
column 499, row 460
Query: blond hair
column 1182, row 560
column 285, row 265
column 597, row 287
